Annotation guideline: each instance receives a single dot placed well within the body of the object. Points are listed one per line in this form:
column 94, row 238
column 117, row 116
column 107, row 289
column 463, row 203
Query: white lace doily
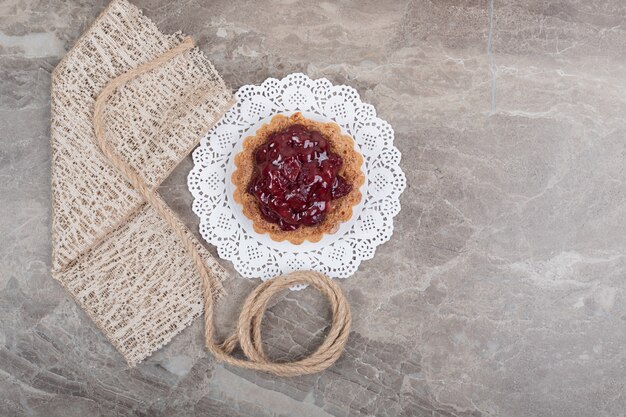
column 221, row 220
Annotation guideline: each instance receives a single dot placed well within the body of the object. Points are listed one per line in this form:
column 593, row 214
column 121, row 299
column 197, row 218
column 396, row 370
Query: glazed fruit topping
column 296, row 178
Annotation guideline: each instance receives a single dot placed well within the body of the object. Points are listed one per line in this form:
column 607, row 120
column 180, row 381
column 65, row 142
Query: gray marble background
column 502, row 292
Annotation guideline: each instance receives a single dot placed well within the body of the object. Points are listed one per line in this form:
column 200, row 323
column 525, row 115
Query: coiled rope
column 248, row 331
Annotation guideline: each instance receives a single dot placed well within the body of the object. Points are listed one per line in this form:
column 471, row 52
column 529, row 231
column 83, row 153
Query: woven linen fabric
column 118, row 259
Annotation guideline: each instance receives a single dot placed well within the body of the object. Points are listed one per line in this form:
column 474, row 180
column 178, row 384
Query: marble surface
column 503, row 290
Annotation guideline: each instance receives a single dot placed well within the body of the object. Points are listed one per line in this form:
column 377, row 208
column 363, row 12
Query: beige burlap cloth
column 128, row 103
column 111, row 251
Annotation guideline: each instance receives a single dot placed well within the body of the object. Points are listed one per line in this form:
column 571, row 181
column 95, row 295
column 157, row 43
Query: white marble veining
column 503, row 290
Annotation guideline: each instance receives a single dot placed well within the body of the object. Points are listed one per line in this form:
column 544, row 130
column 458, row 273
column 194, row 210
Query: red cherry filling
column 296, row 176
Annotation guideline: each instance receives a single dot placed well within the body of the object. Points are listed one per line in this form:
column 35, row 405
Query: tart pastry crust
column 340, row 209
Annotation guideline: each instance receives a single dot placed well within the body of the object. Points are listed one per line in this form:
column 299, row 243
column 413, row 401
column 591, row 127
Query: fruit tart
column 298, row 179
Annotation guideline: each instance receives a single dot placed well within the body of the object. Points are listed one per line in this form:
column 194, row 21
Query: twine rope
column 248, row 330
